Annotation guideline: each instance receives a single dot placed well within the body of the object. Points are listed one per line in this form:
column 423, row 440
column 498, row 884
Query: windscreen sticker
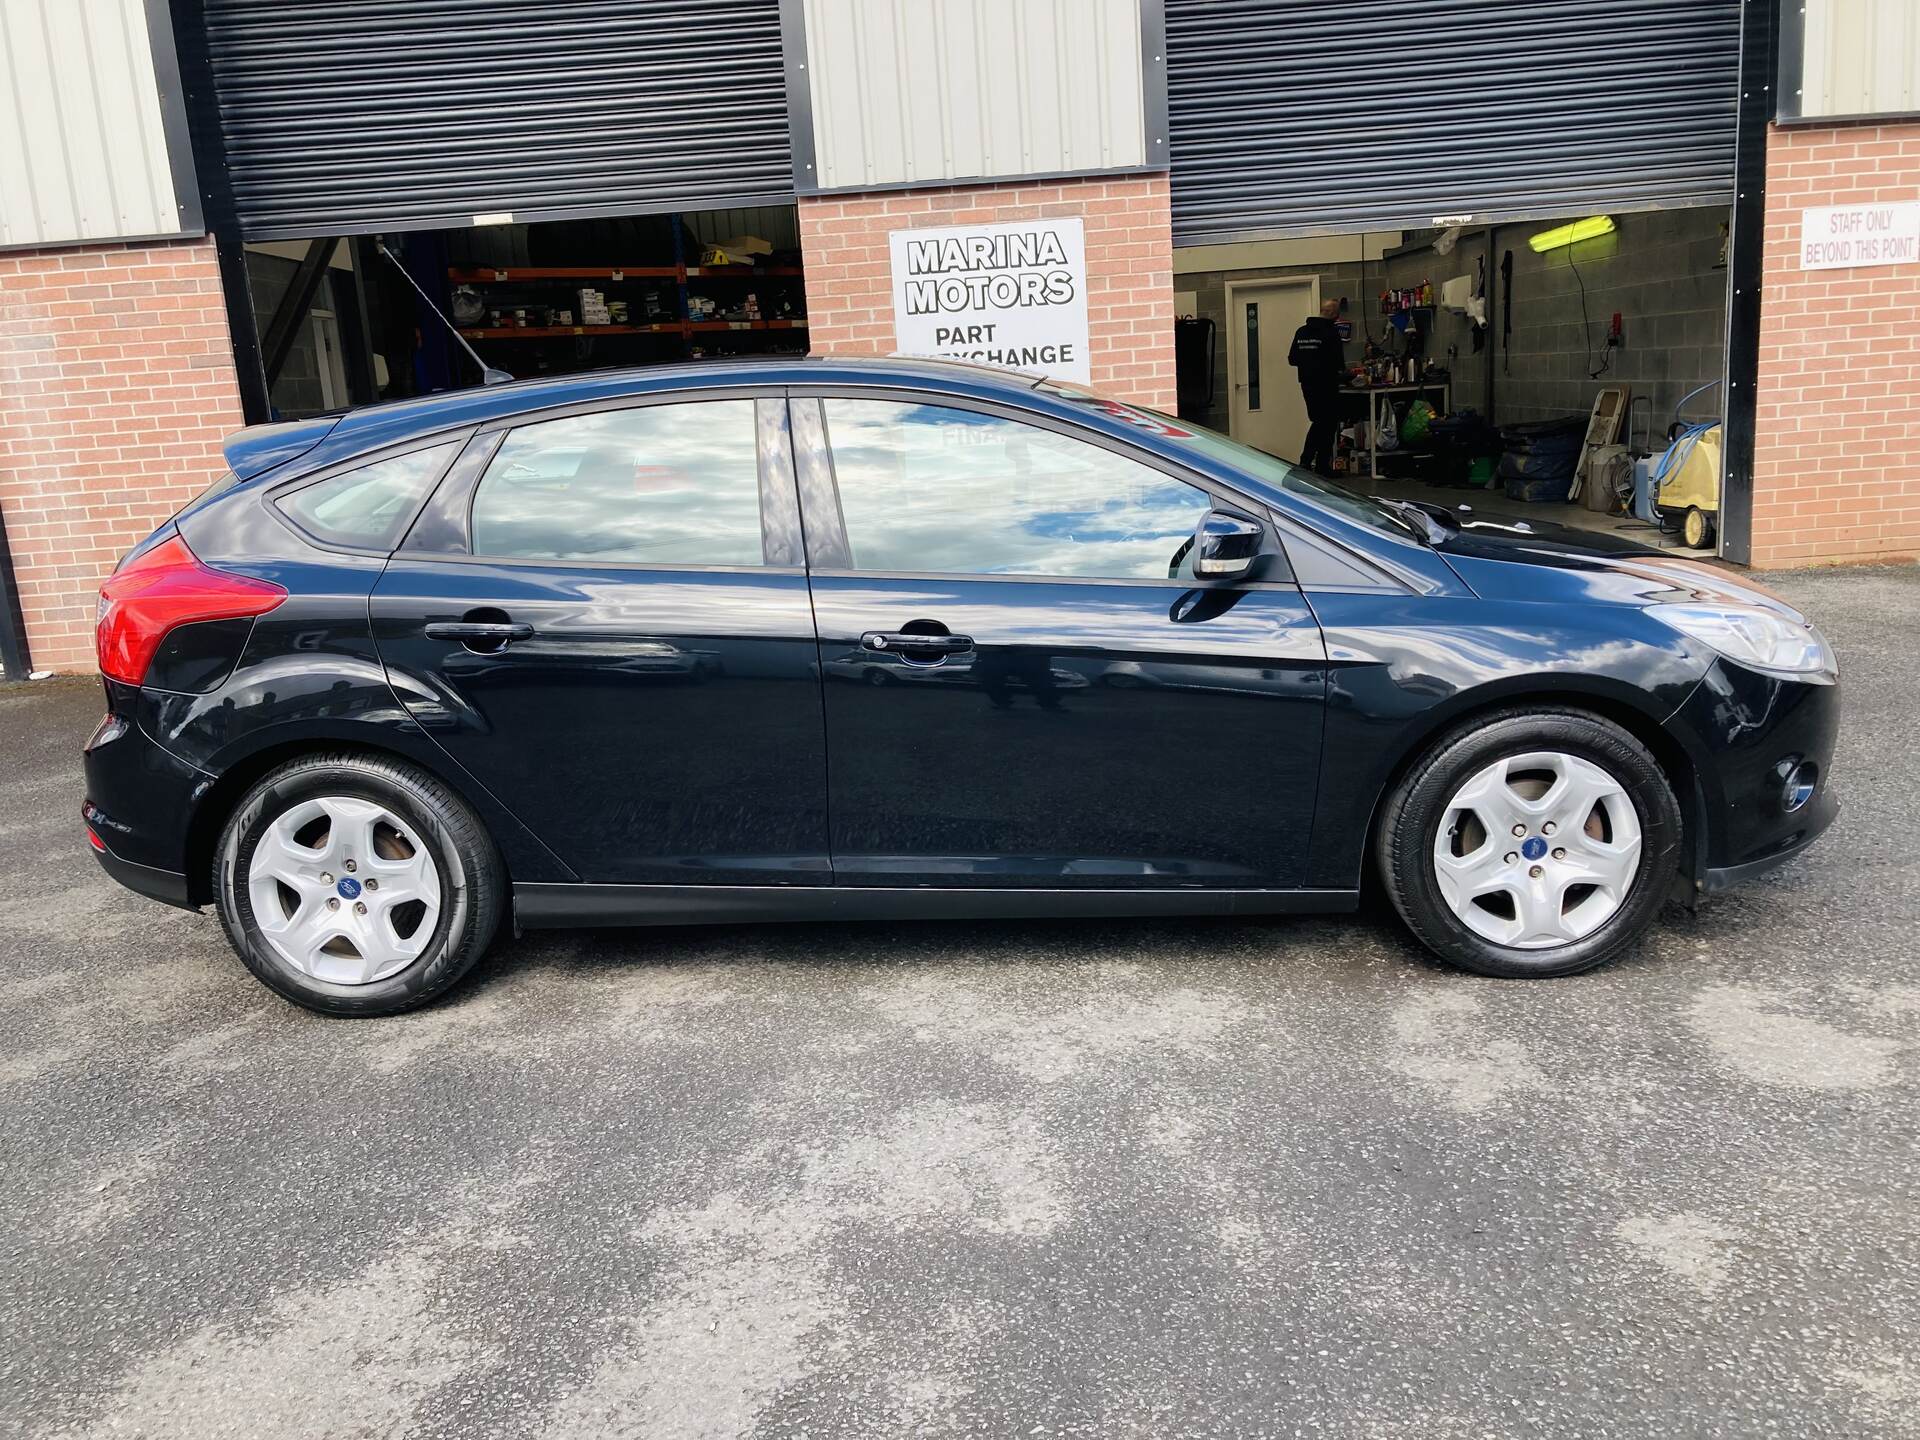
column 1153, row 424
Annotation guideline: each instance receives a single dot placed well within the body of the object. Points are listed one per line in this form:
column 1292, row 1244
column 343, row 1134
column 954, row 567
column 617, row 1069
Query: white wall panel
column 83, row 144
column 1860, row 57
column 923, row 91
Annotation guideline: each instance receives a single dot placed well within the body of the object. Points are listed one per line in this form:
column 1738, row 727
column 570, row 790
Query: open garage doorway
column 1566, row 369
column 341, row 322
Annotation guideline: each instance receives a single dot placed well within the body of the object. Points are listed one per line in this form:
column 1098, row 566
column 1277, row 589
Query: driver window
column 928, row 488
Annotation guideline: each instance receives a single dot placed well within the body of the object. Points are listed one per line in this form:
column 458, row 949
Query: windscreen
column 1267, row 469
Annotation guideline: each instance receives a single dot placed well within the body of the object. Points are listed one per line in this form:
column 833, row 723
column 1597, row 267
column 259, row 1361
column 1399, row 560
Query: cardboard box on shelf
column 593, row 307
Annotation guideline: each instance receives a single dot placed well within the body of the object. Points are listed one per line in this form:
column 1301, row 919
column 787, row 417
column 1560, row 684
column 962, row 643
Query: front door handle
column 480, row 632
column 912, row 644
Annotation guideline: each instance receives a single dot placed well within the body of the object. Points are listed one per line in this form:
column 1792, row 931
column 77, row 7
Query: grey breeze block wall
column 1660, row 269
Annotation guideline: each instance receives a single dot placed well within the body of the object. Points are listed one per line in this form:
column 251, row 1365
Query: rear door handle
column 479, row 632
column 921, row 644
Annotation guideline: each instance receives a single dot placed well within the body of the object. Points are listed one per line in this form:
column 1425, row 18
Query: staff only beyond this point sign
column 1844, row 237
column 1013, row 295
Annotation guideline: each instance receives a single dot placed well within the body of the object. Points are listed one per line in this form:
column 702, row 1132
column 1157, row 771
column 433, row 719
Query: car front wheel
column 1531, row 843
column 356, row 884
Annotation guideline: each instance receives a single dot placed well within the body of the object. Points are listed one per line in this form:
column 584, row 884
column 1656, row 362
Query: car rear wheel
column 1531, row 843
column 356, row 885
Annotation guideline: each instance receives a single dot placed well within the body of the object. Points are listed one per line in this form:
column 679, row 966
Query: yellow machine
column 1686, row 484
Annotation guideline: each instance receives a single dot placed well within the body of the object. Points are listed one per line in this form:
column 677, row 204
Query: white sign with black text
column 1844, row 237
column 1010, row 295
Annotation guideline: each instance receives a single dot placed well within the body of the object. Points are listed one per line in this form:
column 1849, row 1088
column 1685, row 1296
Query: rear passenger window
column 369, row 507
column 659, row 485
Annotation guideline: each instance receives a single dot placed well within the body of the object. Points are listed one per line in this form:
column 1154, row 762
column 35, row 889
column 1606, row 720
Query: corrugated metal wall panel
column 1324, row 116
column 83, row 148
column 349, row 116
column 921, row 91
column 1860, row 57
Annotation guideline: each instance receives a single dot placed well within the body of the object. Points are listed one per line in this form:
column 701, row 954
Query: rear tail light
column 163, row 589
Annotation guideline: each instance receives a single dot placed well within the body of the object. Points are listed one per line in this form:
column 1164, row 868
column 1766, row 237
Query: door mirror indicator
column 1225, row 546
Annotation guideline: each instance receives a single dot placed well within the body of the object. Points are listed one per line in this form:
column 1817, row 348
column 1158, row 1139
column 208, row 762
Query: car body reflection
column 1000, row 674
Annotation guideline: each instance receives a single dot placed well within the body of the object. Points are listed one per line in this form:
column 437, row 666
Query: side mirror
column 1226, row 545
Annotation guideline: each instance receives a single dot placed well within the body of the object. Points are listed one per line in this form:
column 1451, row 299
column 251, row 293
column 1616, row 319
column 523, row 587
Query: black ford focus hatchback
column 852, row 639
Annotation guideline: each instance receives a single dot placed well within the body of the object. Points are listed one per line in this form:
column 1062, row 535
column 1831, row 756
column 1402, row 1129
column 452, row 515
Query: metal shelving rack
column 686, row 327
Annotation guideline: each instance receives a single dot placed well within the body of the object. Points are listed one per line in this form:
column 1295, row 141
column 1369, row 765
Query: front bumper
column 1728, row 876
column 1751, row 735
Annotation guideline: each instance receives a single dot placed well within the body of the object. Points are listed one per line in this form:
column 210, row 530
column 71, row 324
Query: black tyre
column 1696, row 528
column 356, row 885
column 1531, row 842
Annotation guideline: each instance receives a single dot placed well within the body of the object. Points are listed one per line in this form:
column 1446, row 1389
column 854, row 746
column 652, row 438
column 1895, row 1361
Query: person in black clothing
column 1316, row 353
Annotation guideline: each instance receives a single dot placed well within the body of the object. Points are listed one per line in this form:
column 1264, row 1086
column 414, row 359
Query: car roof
column 324, row 440
column 298, row 448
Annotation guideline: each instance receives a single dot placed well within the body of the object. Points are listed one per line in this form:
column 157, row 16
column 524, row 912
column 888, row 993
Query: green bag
column 1413, row 429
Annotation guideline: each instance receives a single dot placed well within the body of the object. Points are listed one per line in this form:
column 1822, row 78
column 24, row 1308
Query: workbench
column 1442, row 388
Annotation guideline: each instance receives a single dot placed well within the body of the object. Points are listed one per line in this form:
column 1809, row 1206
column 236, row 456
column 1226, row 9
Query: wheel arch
column 519, row 849
column 1606, row 704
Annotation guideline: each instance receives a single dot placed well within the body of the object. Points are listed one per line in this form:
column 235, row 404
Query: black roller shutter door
column 1303, row 116
column 350, row 116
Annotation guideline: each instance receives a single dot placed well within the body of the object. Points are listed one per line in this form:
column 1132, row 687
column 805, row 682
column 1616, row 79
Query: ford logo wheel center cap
column 348, row 887
column 1533, row 850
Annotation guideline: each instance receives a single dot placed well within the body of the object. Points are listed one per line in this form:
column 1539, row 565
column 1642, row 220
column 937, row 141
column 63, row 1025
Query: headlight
column 1758, row 638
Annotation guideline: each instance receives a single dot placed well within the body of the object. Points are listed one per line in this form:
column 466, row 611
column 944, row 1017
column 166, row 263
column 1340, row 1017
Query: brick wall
column 1836, row 468
column 116, row 387
column 1129, row 233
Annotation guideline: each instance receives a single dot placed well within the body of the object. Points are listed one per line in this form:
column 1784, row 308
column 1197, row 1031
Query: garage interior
column 340, row 325
column 575, row 185
column 1525, row 206
column 1533, row 369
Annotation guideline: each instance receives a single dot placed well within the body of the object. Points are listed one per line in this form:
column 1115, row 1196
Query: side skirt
column 542, row 906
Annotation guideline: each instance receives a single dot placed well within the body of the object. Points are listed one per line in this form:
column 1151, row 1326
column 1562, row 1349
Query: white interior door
column 1267, row 411
column 331, row 363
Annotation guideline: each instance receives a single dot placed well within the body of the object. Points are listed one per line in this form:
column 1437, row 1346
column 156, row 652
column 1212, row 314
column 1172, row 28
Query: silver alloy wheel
column 1537, row 851
column 343, row 890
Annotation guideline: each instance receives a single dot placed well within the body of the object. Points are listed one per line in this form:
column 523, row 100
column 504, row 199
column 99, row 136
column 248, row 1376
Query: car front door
column 604, row 618
column 1024, row 683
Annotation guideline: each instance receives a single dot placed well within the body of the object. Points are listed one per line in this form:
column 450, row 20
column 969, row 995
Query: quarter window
column 930, row 488
column 368, row 507
column 659, row 485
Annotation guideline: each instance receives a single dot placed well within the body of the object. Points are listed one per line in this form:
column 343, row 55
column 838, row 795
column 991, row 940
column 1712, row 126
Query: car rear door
column 604, row 617
column 1024, row 685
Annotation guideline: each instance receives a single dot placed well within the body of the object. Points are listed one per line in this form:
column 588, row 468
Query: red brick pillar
column 1836, row 472
column 1129, row 234
column 117, row 385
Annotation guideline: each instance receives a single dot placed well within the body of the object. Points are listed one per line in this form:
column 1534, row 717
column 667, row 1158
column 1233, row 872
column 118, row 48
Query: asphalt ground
column 1116, row 1179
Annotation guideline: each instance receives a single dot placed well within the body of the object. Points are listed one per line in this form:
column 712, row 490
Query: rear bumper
column 140, row 799
column 169, row 887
